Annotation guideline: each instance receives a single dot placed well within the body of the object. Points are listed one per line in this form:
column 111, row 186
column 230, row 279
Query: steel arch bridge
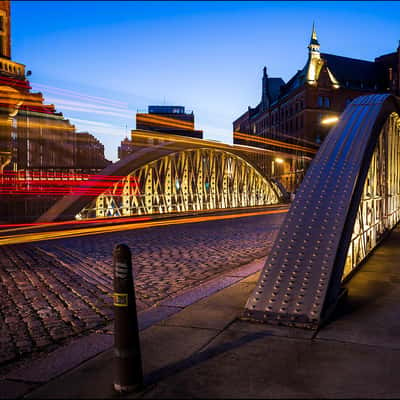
column 189, row 180
column 347, row 203
column 174, row 177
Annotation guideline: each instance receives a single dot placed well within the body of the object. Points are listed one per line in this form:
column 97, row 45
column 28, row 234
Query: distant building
column 125, row 148
column 168, row 119
column 35, row 139
column 295, row 112
column 89, row 153
column 172, row 120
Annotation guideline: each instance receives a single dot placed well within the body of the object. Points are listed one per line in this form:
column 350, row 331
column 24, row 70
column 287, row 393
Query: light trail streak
column 63, row 126
column 34, row 225
column 71, row 93
column 142, row 134
column 272, row 142
column 127, row 114
column 21, row 183
column 62, row 102
column 53, row 235
column 14, row 82
column 164, row 121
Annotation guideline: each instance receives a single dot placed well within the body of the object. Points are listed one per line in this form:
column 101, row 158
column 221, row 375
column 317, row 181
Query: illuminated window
column 320, row 101
column 327, row 102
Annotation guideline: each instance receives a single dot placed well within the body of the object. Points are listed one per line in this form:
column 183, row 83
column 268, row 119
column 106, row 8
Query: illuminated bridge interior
column 379, row 208
column 347, row 203
column 187, row 180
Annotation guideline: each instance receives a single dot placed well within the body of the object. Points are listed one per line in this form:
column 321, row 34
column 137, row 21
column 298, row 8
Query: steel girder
column 196, row 179
column 346, row 203
column 69, row 206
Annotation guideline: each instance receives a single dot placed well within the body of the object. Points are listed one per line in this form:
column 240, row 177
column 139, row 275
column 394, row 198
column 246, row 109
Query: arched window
column 320, row 101
column 327, row 102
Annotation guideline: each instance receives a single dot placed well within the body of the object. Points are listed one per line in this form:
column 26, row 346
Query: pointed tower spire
column 314, row 63
column 314, row 44
column 265, row 98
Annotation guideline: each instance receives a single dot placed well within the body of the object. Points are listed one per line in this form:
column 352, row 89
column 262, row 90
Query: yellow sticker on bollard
column 120, row 299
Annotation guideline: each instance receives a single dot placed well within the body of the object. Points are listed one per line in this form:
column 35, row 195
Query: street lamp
column 330, row 120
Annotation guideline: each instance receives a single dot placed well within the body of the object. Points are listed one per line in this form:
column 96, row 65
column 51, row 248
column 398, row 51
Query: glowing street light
column 329, row 120
column 279, row 160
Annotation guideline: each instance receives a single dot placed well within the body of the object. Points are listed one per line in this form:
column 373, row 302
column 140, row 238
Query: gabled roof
column 352, row 70
column 274, row 85
column 296, row 81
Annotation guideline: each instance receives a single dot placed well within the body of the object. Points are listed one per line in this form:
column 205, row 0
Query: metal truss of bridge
column 174, row 176
column 190, row 180
column 348, row 202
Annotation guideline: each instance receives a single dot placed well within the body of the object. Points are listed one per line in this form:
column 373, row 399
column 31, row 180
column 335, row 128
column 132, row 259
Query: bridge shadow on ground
column 368, row 315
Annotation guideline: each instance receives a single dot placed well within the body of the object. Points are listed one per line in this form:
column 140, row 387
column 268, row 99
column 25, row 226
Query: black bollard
column 128, row 375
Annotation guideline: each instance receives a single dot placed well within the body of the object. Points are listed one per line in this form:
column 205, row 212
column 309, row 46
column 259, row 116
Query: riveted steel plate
column 301, row 278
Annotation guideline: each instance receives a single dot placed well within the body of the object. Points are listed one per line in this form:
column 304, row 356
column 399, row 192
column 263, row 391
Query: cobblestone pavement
column 52, row 291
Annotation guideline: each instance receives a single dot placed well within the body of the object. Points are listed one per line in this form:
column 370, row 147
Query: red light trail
column 61, row 184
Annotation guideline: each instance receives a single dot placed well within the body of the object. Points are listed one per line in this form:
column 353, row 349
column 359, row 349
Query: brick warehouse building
column 34, row 137
column 300, row 110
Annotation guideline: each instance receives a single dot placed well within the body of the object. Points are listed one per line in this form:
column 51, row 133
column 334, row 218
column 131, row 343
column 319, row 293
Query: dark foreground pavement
column 206, row 351
column 54, row 291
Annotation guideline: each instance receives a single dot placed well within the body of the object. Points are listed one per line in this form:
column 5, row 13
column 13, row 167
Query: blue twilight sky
column 100, row 61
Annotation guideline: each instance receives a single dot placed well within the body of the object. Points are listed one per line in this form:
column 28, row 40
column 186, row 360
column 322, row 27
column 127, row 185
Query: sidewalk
column 206, row 351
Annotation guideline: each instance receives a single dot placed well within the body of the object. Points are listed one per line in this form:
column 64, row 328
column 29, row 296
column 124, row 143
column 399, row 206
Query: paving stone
column 51, row 291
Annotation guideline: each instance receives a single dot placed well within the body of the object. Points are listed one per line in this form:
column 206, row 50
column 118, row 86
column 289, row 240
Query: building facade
column 171, row 120
column 34, row 137
column 89, row 154
column 300, row 111
column 168, row 119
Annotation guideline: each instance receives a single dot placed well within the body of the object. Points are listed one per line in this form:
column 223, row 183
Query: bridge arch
column 347, row 202
column 188, row 180
column 171, row 177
